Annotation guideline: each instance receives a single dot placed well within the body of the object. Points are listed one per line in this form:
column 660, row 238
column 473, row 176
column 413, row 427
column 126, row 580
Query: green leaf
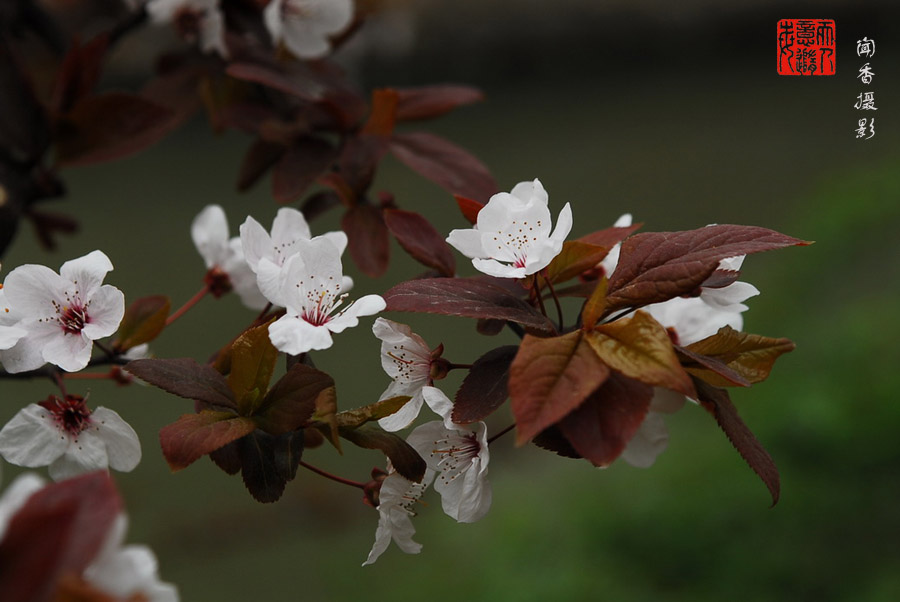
column 750, row 355
column 194, row 435
column 253, row 360
column 374, row 411
column 144, row 319
column 549, row 378
column 640, row 348
column 404, row 458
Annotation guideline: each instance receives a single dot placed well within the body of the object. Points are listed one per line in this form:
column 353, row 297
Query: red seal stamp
column 806, row 47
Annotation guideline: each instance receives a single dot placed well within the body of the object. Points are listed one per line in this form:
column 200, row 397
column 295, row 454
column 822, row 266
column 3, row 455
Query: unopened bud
column 439, row 368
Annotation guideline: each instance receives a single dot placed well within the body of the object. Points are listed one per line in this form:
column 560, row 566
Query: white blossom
column 62, row 314
column 66, row 436
column 407, row 359
column 460, row 455
column 511, row 237
column 195, row 20
column 128, row 571
column 266, row 253
column 306, row 25
column 312, row 290
column 396, row 502
column 225, row 255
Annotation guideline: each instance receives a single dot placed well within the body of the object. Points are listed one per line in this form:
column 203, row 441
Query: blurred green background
column 674, row 115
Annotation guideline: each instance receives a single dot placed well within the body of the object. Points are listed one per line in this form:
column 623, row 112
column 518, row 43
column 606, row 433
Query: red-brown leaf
column 291, row 402
column 749, row 355
column 719, row 404
column 383, row 116
column 604, row 424
column 294, row 82
column 469, row 208
column 576, row 257
column 549, row 378
column 433, row 101
column 298, row 168
column 110, row 126
column 194, row 435
column 452, row 168
column 79, row 72
column 657, row 266
column 485, row 387
column 144, row 319
column 186, row 378
column 609, row 237
column 420, row 239
column 368, row 238
column 468, row 297
column 260, row 157
column 404, row 458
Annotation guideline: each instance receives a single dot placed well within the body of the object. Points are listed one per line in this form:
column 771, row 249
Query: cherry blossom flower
column 407, row 359
column 67, row 436
column 511, row 238
column 397, row 499
column 128, row 572
column 312, row 291
column 194, row 20
column 224, row 258
column 266, row 254
column 460, row 454
column 305, row 25
column 63, row 314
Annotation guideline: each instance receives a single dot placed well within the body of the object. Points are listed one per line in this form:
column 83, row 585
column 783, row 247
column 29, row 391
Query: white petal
column 16, row 496
column 403, row 417
column 439, row 403
column 85, row 453
column 294, row 335
column 732, row 264
column 209, row 231
column 364, row 306
column 130, row 571
column 27, row 354
column 71, row 352
column 106, row 310
column 729, row 296
column 526, row 191
column 650, row 440
column 563, row 224
column 255, row 242
column 212, row 32
column 87, row 272
column 495, row 215
column 269, row 280
column 10, row 335
column 242, row 277
column 492, row 267
column 289, row 226
column 122, row 445
column 32, row 438
column 272, row 19
column 31, row 289
column 467, row 498
column 338, row 239
column 468, row 242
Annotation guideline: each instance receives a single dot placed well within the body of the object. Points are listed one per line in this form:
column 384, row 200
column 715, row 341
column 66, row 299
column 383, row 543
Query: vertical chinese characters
column 865, row 101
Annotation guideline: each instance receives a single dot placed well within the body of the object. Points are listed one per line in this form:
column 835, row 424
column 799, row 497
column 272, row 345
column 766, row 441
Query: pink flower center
column 71, row 414
column 72, row 317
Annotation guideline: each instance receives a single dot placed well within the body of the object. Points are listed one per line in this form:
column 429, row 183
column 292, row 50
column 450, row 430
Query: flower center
column 72, row 317
column 319, row 300
column 71, row 414
column 455, row 453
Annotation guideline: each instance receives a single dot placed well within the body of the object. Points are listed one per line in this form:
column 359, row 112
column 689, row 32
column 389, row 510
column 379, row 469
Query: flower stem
column 501, row 433
column 328, row 475
column 555, row 299
column 190, row 303
column 86, row 376
column 537, row 293
column 453, row 366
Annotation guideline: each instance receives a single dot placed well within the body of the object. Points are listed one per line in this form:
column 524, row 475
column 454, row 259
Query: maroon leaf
column 59, row 531
column 468, row 297
column 298, row 168
column 404, row 458
column 383, row 116
column 469, row 208
column 576, row 257
column 144, row 319
column 552, row 439
column 549, row 378
column 261, row 156
column 749, row 355
column 79, row 72
column 485, row 388
column 186, row 378
column 718, row 403
column 319, row 203
column 419, row 238
column 290, row 404
column 433, row 101
column 294, row 83
column 691, row 361
column 194, row 435
column 609, row 237
column 110, row 126
column 657, row 266
column 444, row 163
column 268, row 462
column 604, row 424
column 23, row 122
column 368, row 239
